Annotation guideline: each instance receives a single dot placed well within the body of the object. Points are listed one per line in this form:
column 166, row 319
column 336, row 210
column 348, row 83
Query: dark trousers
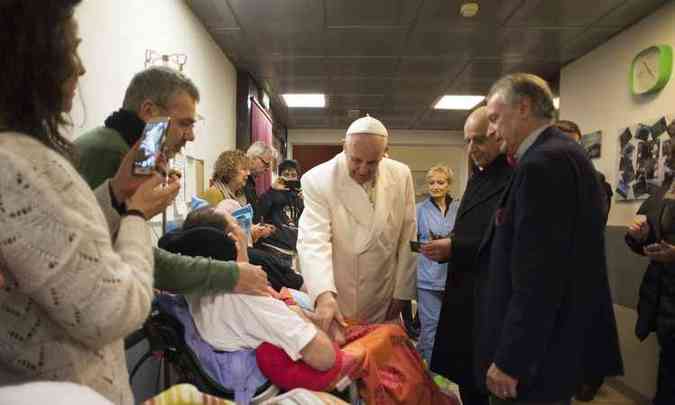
column 665, row 386
column 472, row 396
column 497, row 401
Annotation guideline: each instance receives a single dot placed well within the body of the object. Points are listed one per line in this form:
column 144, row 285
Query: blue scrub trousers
column 429, row 304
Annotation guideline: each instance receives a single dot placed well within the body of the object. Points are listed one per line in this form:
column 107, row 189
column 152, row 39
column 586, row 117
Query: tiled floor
column 608, row 396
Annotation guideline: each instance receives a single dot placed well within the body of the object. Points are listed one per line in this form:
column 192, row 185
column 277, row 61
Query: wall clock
column 651, row 68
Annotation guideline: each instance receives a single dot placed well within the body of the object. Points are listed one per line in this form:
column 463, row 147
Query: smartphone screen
column 151, row 145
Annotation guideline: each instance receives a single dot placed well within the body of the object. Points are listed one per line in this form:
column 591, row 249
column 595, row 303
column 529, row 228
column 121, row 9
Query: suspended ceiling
column 394, row 58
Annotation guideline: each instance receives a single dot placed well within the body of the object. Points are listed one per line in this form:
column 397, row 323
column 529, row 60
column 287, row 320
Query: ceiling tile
column 456, row 44
column 356, row 101
column 361, row 66
column 278, row 16
column 359, row 84
column 629, row 13
column 567, row 13
column 302, row 84
column 343, row 13
column 585, row 43
column 429, row 68
column 443, row 16
column 287, row 44
column 299, row 67
column 364, row 42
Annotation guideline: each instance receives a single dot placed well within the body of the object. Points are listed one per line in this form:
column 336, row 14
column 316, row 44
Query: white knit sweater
column 72, row 291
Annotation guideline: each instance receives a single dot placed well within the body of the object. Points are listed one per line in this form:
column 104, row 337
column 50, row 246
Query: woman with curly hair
column 229, row 178
column 77, row 267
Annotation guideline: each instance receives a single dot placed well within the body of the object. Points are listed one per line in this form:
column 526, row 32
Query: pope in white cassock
column 355, row 232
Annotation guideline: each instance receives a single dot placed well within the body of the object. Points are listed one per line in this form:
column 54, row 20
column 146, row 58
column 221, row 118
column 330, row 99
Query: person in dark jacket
column 592, row 383
column 282, row 205
column 453, row 354
column 546, row 302
column 652, row 234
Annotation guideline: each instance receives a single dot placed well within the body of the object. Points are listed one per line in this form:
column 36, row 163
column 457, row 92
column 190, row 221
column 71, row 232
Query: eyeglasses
column 266, row 163
column 183, row 123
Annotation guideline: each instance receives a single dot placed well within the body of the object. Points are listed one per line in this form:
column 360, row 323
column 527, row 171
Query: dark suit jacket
column 546, row 302
column 453, row 354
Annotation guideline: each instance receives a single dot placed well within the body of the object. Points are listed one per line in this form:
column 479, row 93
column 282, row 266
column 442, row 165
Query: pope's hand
column 437, row 250
column 326, row 310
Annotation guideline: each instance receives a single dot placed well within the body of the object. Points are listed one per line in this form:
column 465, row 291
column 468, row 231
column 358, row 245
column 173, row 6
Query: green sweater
column 101, row 152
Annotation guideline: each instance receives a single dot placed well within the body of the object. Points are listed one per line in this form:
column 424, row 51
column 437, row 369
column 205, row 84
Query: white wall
column 115, row 37
column 418, row 149
column 594, row 92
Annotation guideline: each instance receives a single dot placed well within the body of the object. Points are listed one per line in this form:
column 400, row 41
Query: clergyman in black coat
column 546, row 301
column 453, row 354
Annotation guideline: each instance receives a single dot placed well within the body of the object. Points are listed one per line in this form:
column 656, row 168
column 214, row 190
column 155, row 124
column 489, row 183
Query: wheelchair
column 171, row 341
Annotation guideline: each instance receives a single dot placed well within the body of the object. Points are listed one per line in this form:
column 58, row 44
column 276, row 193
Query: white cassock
column 347, row 246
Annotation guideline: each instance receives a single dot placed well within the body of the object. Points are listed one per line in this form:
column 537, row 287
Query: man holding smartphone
column 161, row 92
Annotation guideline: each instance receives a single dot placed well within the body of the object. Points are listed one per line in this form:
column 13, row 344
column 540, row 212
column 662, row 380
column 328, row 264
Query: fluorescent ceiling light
column 556, row 103
column 305, row 100
column 458, row 102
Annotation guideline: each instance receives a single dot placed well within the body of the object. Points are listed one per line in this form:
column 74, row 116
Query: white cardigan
column 72, row 291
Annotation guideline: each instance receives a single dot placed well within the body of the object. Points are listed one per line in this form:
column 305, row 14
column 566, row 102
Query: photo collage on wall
column 645, row 158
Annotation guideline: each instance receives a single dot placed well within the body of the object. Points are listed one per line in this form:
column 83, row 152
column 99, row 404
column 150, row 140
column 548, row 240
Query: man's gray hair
column 159, row 84
column 515, row 86
column 260, row 148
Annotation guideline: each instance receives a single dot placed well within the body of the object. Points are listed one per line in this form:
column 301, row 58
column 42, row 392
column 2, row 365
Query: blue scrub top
column 431, row 275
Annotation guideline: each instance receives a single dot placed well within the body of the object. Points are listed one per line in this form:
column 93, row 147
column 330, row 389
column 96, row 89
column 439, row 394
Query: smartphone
column 416, row 246
column 292, row 184
column 152, row 143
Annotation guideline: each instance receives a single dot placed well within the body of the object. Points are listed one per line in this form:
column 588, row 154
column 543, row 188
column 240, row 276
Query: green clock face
column 651, row 69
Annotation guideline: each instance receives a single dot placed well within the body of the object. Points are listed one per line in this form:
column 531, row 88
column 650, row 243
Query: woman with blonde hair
column 435, row 220
column 230, row 173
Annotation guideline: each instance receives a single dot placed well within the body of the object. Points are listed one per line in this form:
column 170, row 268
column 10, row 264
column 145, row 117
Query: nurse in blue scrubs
column 435, row 219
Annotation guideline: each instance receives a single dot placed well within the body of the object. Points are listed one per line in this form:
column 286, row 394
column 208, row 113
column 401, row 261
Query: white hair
column 260, row 148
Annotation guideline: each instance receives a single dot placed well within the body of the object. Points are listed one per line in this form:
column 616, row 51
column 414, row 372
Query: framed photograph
column 592, row 143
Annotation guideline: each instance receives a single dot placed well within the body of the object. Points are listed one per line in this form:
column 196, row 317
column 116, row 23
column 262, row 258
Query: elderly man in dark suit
column 546, row 301
column 453, row 354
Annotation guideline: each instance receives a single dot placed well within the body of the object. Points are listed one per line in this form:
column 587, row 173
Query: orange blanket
column 393, row 372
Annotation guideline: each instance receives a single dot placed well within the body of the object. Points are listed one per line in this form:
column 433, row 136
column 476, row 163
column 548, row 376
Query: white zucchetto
column 367, row 125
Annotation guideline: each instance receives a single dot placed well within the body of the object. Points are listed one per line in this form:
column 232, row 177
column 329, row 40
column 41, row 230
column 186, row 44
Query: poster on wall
column 592, row 143
column 644, row 158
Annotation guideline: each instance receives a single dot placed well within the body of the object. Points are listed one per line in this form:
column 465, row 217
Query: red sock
column 288, row 374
